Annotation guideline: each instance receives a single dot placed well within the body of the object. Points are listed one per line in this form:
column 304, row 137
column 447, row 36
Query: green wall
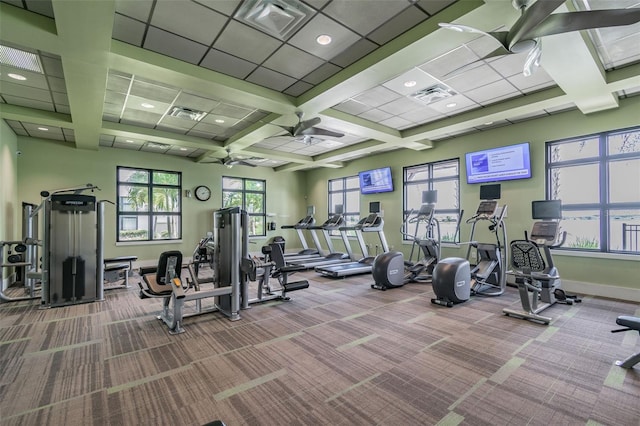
column 9, row 209
column 517, row 195
column 47, row 165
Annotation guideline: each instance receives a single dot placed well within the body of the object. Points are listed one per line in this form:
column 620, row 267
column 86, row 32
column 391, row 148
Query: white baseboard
column 610, row 291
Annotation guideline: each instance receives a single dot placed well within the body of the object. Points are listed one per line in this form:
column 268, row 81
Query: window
column 443, row 176
column 597, row 178
column 149, row 205
column 250, row 195
column 344, row 194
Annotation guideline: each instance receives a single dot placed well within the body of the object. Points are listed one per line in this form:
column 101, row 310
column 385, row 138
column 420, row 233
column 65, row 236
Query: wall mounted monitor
column 499, row 164
column 374, row 207
column 376, row 181
column 490, row 192
column 546, row 209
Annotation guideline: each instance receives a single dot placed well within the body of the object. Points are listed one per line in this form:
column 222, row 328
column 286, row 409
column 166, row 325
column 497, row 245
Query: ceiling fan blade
column 559, row 23
column 287, row 129
column 533, row 60
column 304, row 125
column 316, row 131
column 532, row 16
column 240, row 163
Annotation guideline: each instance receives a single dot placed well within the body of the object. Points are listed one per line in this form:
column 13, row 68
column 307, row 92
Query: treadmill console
column 544, row 232
column 487, row 208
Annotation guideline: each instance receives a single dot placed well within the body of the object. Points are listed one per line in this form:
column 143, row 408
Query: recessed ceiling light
column 219, row 120
column 128, row 141
column 17, row 76
column 488, row 123
column 44, row 129
column 147, row 105
column 183, row 148
column 451, row 105
column 409, row 83
column 323, row 39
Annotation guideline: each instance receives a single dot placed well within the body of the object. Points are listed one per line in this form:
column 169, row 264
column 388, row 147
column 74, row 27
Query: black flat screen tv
column 546, row 209
column 376, row 181
column 499, row 164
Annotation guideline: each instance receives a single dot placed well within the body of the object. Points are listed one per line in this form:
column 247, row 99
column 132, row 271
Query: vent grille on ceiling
column 433, row 94
column 187, row 113
column 20, row 59
column 276, row 17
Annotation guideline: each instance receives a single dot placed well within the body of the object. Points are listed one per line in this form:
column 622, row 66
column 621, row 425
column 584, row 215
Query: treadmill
column 335, row 222
column 372, row 223
column 306, row 253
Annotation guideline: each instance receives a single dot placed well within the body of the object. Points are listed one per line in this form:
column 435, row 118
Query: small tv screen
column 376, row 181
column 490, row 192
column 499, row 164
column 546, row 209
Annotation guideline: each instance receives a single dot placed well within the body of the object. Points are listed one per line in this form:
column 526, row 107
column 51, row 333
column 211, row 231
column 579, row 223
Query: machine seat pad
column 629, row 321
column 121, row 259
column 116, row 267
column 542, row 276
column 155, row 287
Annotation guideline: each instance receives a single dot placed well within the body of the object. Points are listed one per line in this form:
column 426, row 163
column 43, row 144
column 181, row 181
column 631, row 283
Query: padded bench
column 118, row 268
column 630, row 324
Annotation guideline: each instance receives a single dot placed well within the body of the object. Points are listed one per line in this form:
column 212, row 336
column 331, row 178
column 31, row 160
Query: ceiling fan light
column 323, row 39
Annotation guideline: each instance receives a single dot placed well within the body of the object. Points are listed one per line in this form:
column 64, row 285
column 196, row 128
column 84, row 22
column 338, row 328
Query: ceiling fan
column 537, row 20
column 230, row 161
column 306, row 130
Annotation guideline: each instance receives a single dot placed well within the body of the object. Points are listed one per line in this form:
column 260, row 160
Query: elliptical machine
column 391, row 270
column 537, row 277
column 454, row 280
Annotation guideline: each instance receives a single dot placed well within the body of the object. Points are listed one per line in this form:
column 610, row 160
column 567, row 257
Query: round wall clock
column 203, row 193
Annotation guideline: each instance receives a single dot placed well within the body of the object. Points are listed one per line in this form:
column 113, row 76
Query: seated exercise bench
column 631, row 324
column 118, row 268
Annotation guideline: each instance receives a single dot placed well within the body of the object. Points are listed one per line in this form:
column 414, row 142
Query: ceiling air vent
column 187, row 113
column 433, row 94
column 276, row 17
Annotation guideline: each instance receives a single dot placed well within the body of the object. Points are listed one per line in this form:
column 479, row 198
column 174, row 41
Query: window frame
column 244, row 192
column 603, row 206
column 351, row 217
column 430, row 182
column 123, row 216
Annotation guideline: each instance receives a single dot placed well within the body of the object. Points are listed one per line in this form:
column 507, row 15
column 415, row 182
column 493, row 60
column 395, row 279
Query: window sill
column 144, row 243
column 596, row 255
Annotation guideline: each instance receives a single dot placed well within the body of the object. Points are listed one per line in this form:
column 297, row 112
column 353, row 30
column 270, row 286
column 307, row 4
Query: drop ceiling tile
column 69, row 135
column 63, row 109
column 396, row 122
column 153, row 92
column 114, row 118
column 129, row 141
column 118, row 83
column 508, row 65
column 33, row 79
column 474, row 78
column 341, row 37
column 317, row 4
column 244, row 42
column 271, row 79
column 180, row 151
column 445, row 65
column 561, row 108
column 42, row 7
column 363, row 16
column 400, row 106
column 106, row 140
column 537, row 81
column 292, row 62
column 140, row 118
column 434, row 6
column 57, row 84
column 256, row 116
column 117, row 99
column 200, row 134
column 157, row 148
column 421, row 78
column 352, row 107
column 17, row 3
column 227, row 64
column 52, row 66
column 12, row 89
column 230, row 110
column 189, row 20
column 397, row 25
column 174, row 46
column 528, row 116
column 195, row 102
column 226, row 6
column 139, row 9
column 127, row 146
column 208, row 129
column 60, row 98
column 17, row 128
column 462, row 104
column 298, row 88
column 128, row 30
column 135, row 103
column 422, row 115
column 498, row 89
column 30, row 103
column 375, row 115
column 176, row 123
column 376, row 96
column 219, row 121
column 34, row 130
column 322, row 73
column 354, row 52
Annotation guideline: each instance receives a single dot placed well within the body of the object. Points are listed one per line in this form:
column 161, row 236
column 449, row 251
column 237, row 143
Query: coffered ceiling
column 202, row 78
